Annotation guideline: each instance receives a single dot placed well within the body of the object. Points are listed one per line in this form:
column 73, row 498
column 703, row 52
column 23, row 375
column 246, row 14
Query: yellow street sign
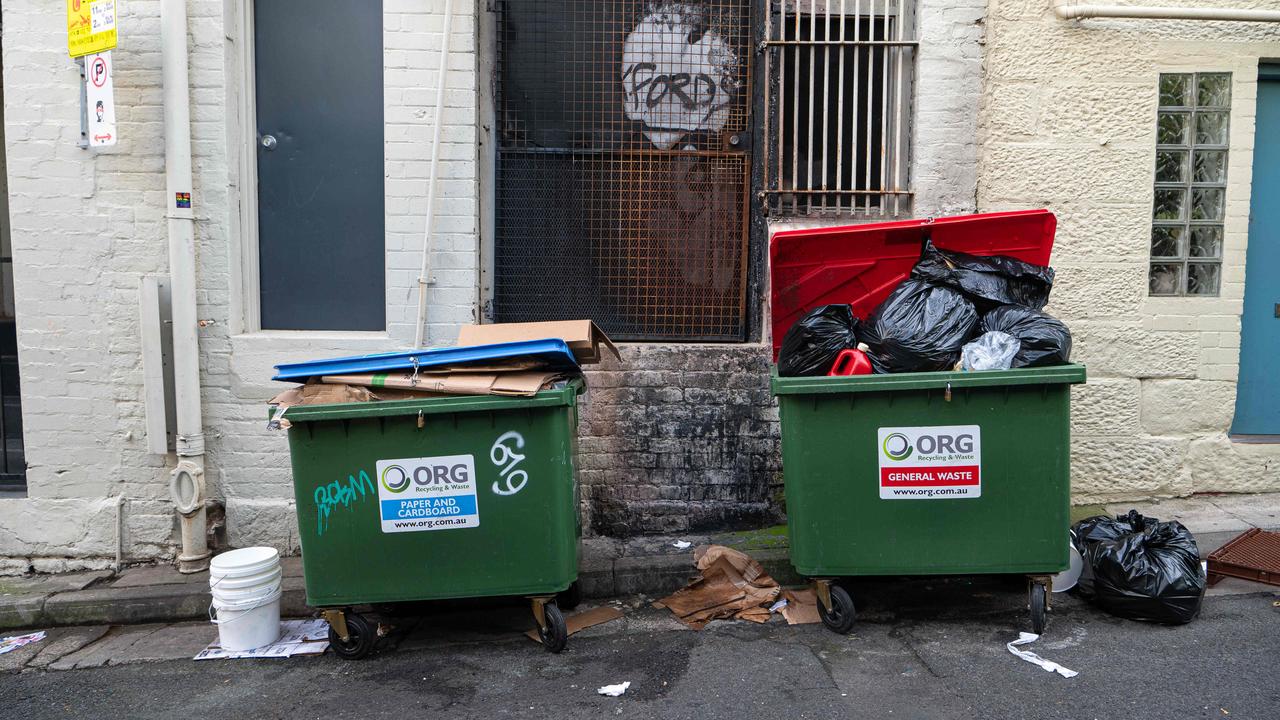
column 91, row 26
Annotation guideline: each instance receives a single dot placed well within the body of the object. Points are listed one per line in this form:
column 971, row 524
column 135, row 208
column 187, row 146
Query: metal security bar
column 623, row 167
column 836, row 135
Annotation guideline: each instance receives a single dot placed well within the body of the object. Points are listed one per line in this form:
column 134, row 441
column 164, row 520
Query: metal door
column 1257, row 412
column 623, row 165
column 318, row 66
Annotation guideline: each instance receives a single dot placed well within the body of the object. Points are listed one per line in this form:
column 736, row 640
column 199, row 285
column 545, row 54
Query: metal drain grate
column 1255, row 556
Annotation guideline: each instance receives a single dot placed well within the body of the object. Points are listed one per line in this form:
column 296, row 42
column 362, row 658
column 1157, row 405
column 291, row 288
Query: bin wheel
column 840, row 617
column 1037, row 599
column 360, row 638
column 554, row 635
column 571, row 597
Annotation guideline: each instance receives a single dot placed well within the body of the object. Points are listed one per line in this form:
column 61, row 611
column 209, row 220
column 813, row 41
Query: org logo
column 395, row 479
column 897, row 446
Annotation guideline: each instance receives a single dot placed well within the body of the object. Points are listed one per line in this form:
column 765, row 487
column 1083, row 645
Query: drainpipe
column 186, row 482
column 1068, row 12
column 435, row 168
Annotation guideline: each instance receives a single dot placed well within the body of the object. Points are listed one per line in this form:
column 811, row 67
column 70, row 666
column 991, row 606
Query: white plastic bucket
column 246, row 589
column 243, row 562
column 249, row 625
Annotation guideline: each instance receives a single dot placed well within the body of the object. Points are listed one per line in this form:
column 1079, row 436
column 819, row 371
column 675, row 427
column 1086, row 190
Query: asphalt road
column 920, row 650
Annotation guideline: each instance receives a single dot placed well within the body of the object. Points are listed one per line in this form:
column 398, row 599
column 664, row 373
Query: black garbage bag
column 1045, row 339
column 987, row 281
column 919, row 327
column 811, row 345
column 1094, row 529
column 1153, row 574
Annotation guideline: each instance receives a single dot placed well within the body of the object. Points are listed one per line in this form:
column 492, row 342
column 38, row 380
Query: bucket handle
column 213, row 611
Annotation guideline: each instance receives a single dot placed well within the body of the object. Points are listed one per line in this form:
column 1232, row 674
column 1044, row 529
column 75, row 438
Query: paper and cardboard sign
column 584, row 337
column 429, row 493
column 930, row 463
column 91, row 26
column 100, row 102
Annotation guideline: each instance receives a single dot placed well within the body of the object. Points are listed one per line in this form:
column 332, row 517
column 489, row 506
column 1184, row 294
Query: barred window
column 836, row 135
column 1190, row 183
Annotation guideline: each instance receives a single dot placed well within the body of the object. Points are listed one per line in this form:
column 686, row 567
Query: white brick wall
column 87, row 225
column 1068, row 123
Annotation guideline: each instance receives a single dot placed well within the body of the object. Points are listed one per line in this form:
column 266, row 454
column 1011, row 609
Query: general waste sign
column 91, row 26
column 430, row 493
column 930, row 463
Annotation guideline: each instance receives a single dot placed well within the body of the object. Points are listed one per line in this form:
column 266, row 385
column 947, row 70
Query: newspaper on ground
column 298, row 637
column 14, row 642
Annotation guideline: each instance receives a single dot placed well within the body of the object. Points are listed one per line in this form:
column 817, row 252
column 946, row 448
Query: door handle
column 269, row 142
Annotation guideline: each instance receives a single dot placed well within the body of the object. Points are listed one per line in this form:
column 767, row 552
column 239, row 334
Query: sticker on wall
column 930, row 463
column 430, row 493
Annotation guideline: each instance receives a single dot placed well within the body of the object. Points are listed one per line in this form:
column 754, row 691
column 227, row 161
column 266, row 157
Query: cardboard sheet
column 584, row 620
column 521, row 383
column 731, row 585
column 801, row 607
column 583, row 336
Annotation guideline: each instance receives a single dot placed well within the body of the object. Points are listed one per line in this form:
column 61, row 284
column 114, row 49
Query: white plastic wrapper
column 991, row 351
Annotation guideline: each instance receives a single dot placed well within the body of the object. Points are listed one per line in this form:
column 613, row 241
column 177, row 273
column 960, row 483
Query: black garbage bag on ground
column 1151, row 573
column 1103, row 527
column 811, row 345
column 1045, row 339
column 987, row 281
column 919, row 327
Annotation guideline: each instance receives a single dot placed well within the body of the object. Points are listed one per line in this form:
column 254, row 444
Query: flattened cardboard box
column 520, row 383
column 584, row 337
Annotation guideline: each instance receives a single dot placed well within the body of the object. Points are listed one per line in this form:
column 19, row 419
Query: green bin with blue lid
column 436, row 498
column 925, row 473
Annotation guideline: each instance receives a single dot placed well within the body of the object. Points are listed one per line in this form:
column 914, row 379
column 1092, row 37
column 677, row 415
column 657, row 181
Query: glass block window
column 1190, row 183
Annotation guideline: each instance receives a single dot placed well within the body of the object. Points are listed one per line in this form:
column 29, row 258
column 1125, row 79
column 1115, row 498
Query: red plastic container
column 850, row 362
column 861, row 264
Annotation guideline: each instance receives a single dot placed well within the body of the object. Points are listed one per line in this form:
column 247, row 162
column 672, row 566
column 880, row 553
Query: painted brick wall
column 87, row 225
column 1068, row 123
column 674, row 439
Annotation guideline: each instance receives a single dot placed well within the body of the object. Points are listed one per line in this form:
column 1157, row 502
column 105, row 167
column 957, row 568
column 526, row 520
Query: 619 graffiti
column 505, row 458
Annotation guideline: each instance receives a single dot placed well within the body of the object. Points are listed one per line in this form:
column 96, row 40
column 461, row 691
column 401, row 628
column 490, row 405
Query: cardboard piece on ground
column 732, row 585
column 584, row 620
column 584, row 337
column 801, row 607
column 519, row 383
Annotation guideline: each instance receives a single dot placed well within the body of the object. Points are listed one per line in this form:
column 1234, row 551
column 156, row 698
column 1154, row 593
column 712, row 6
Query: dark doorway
column 321, row 244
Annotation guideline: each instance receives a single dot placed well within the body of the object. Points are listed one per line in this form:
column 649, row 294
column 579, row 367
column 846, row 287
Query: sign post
column 100, row 104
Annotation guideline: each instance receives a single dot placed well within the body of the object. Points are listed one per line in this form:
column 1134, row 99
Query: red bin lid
column 861, row 264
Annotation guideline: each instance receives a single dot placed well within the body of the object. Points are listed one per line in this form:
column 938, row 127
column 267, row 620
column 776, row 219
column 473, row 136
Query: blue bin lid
column 554, row 352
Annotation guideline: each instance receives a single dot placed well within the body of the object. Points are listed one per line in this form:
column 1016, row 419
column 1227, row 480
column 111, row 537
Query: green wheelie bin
column 924, row 473
column 437, row 498
column 939, row 473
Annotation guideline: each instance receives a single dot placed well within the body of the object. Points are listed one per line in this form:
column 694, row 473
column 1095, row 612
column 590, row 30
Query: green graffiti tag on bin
column 337, row 493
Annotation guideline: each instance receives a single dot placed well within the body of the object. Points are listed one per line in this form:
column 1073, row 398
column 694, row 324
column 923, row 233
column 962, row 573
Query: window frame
column 1187, row 223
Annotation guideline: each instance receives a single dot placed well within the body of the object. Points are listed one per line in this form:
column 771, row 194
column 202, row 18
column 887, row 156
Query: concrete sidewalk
column 610, row 568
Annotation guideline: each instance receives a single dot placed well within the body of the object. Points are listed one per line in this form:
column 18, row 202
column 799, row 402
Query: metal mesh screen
column 622, row 171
